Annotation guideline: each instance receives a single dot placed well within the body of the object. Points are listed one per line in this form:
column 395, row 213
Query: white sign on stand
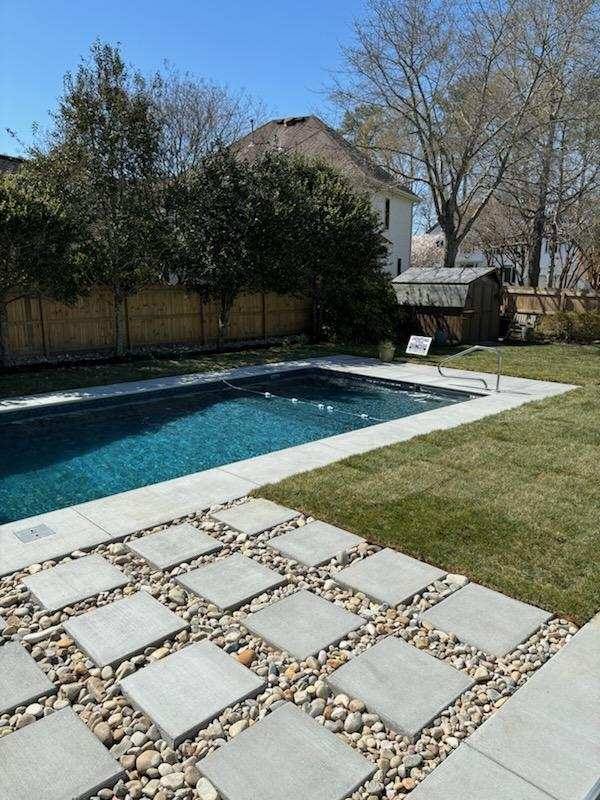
column 418, row 345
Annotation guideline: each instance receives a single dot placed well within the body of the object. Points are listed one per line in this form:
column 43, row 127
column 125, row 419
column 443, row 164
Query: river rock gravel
column 155, row 770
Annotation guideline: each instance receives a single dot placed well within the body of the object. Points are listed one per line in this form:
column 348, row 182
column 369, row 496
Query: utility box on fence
column 451, row 304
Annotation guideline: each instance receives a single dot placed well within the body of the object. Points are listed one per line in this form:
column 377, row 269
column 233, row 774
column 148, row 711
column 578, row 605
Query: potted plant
column 387, row 349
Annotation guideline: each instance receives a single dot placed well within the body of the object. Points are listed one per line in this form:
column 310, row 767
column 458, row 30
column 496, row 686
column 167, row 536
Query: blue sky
column 281, row 52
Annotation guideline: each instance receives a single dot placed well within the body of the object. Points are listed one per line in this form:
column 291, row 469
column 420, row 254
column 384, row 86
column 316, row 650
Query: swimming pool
column 55, row 457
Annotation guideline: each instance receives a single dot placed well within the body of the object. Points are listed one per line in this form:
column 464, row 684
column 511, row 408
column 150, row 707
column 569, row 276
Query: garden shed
column 451, row 304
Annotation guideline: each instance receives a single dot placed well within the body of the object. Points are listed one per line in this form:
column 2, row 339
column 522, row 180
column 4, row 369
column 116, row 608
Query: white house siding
column 399, row 232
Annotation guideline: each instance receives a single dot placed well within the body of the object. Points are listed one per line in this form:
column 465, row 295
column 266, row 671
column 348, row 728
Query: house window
column 387, row 213
column 510, row 275
column 399, row 266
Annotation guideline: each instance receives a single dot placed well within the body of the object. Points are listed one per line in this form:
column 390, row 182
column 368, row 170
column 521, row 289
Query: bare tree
column 199, row 117
column 458, row 79
column 556, row 167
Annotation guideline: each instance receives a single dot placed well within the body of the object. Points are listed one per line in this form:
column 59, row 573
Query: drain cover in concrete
column 71, row 532
column 174, row 546
column 74, row 581
column 315, row 543
column 468, row 775
column 21, row 680
column 286, row 755
column 388, row 577
column 186, row 690
column 114, row 632
column 34, row 533
column 255, row 516
column 231, row 582
column 302, row 624
column 406, row 687
column 489, row 620
column 56, row 758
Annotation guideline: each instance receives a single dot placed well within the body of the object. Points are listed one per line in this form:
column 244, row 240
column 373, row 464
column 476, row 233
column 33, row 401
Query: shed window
column 387, row 214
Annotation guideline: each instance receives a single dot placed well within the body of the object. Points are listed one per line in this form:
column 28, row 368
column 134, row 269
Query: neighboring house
column 511, row 261
column 311, row 137
column 10, row 163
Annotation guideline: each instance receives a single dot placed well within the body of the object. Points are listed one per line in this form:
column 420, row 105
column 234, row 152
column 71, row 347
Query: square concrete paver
column 302, row 624
column 56, row 758
column 486, row 619
column 255, row 516
column 74, row 581
column 388, row 577
column 121, row 629
column 21, row 680
column 231, row 582
column 315, row 543
column 186, row 690
column 468, row 775
column 286, row 756
column 549, row 731
column 404, row 686
column 174, row 546
column 530, row 742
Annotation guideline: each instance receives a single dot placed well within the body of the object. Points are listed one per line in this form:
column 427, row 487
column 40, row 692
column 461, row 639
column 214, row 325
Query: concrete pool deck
column 116, row 516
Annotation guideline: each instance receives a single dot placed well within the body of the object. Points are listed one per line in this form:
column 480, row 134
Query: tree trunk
column 535, row 250
column 539, row 217
column 225, row 306
column 450, row 251
column 448, row 225
column 120, row 324
column 317, row 313
column 553, row 251
column 4, row 347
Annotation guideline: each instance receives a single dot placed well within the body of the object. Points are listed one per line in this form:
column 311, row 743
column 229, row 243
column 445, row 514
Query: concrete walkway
column 543, row 744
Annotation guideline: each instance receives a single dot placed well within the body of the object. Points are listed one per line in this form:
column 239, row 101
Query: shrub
column 571, row 326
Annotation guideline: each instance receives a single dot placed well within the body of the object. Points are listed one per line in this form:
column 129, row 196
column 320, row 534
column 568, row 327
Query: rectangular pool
column 54, row 457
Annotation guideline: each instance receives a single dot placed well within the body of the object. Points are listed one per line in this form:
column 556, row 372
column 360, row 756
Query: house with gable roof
column 312, row 137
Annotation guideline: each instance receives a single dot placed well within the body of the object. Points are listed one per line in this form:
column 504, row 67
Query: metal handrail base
column 474, row 377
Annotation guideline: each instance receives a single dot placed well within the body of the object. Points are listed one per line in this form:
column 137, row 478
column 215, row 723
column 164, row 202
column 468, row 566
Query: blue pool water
column 54, row 460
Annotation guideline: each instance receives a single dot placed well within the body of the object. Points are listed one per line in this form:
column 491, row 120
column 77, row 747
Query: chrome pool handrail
column 474, row 377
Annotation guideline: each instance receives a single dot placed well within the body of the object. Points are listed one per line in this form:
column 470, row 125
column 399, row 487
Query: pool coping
column 119, row 515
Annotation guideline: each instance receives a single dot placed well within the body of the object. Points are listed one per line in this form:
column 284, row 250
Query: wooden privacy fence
column 524, row 300
column 156, row 316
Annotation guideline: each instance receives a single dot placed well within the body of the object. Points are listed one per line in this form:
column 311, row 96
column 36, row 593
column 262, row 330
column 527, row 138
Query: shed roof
column 441, row 287
column 443, row 275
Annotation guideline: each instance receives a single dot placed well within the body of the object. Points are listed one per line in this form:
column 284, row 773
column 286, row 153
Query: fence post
column 264, row 315
column 127, row 331
column 43, row 326
column 202, row 328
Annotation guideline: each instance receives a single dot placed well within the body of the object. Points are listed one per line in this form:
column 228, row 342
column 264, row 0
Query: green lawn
column 512, row 501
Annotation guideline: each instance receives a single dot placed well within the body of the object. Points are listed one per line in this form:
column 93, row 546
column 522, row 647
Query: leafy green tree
column 221, row 231
column 103, row 156
column 283, row 224
column 338, row 255
column 38, row 249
